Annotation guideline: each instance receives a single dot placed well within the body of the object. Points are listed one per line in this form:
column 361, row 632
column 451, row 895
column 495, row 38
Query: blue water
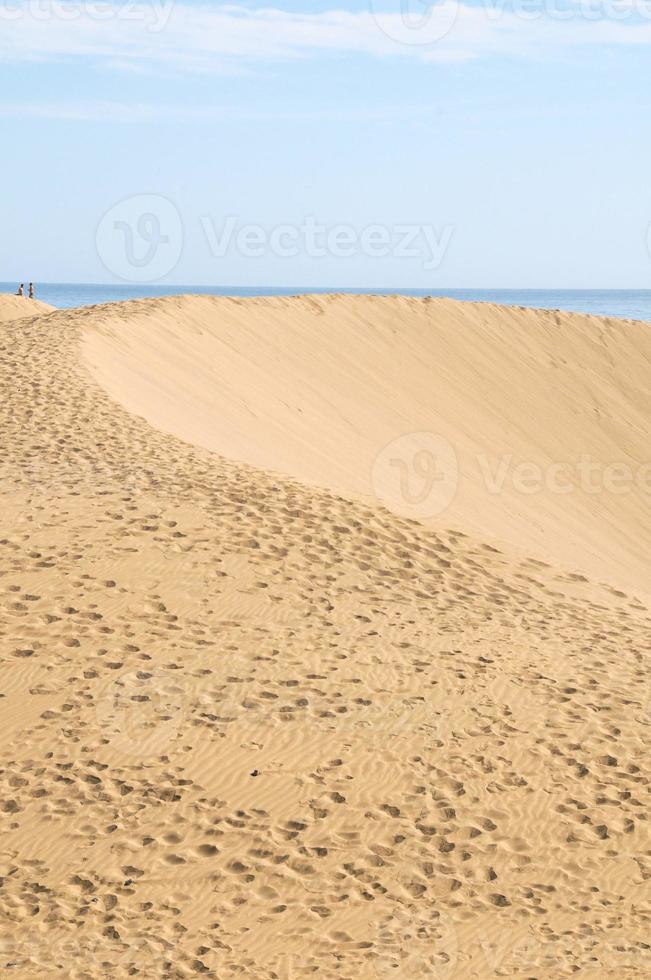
column 631, row 304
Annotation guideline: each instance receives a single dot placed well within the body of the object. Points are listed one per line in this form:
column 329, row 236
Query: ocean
column 632, row 304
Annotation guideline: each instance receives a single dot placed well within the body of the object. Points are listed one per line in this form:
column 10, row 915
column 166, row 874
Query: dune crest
column 545, row 417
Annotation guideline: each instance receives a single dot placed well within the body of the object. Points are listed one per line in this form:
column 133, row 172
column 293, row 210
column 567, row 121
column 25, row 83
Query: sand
column 21, row 307
column 317, row 388
column 267, row 711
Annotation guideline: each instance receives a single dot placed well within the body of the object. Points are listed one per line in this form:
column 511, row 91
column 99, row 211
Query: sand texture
column 20, row 307
column 263, row 716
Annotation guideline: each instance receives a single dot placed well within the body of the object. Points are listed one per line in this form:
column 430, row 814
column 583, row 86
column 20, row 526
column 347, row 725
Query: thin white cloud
column 163, row 35
column 129, row 112
column 98, row 111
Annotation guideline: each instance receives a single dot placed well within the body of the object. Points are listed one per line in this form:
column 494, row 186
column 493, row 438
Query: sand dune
column 257, row 725
column 20, row 307
column 544, row 418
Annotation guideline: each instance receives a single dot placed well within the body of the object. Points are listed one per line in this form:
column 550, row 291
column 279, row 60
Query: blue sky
column 514, row 150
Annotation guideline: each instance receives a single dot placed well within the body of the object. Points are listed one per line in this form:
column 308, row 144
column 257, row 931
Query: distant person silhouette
column 21, row 290
column 31, row 290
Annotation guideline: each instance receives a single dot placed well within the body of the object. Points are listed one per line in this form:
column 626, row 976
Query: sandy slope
column 318, row 387
column 448, row 739
column 20, row 307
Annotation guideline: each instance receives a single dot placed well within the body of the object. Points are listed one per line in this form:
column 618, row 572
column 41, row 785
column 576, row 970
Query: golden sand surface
column 265, row 714
column 20, row 307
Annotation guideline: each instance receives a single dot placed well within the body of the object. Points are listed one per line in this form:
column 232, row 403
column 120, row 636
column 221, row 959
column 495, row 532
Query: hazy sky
column 492, row 144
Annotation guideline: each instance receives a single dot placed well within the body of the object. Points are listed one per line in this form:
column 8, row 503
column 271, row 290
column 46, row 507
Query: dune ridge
column 256, row 727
